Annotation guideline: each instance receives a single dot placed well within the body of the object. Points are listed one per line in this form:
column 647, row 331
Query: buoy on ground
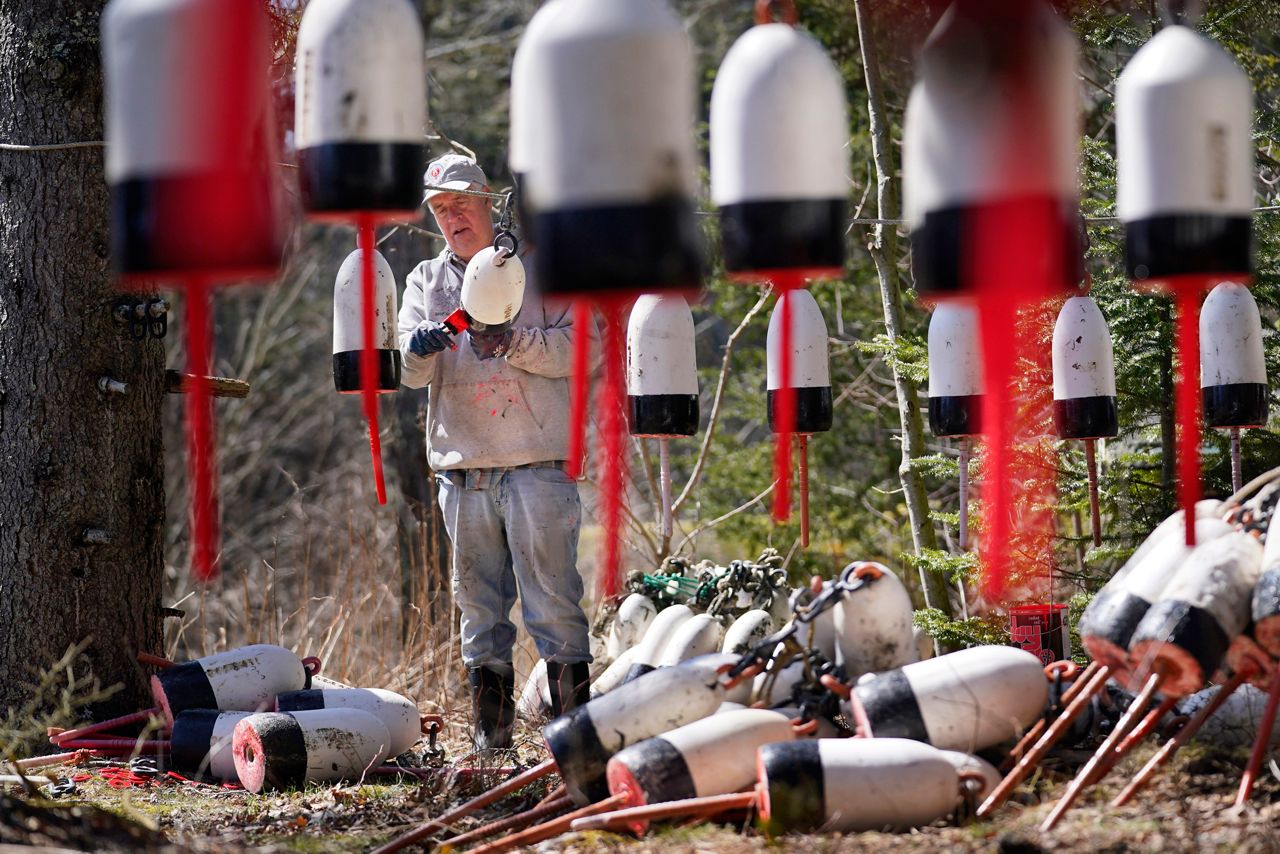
column 398, row 714
column 701, row 634
column 633, row 617
column 874, row 623
column 656, row 637
column 286, row 751
column 245, row 679
column 201, row 743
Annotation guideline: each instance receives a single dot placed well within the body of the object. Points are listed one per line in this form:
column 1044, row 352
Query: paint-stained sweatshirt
column 505, row 411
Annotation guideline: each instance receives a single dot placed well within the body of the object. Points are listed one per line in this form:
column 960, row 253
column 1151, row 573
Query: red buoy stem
column 614, row 459
column 786, row 399
column 1187, row 397
column 578, row 387
column 368, row 352
column 200, row 433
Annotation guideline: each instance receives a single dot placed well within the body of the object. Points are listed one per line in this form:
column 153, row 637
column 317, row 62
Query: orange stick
column 1140, row 732
column 1035, row 732
column 519, row 820
column 550, row 829
column 704, row 806
column 1262, row 743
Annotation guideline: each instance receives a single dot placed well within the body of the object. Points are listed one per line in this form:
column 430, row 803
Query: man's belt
column 479, row 478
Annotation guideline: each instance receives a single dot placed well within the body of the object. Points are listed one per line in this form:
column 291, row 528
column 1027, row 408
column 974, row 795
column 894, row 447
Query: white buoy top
column 1231, row 338
column 361, row 73
column 955, row 357
column 493, row 286
column 612, row 85
column 348, row 305
column 661, row 357
column 519, row 126
column 779, row 124
column 1083, row 361
column 810, row 363
column 1184, row 113
column 967, row 140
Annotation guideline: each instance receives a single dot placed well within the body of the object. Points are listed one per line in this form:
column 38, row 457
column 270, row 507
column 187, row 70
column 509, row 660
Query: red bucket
column 1042, row 630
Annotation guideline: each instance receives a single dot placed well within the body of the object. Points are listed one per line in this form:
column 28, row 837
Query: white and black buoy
column 360, row 118
column 201, row 743
column 273, row 750
column 520, row 122
column 1184, row 192
column 1233, row 370
column 191, row 167
column 348, row 336
column 1084, row 387
column 662, row 381
column 398, row 713
column 244, row 679
column 807, row 382
column 779, row 99
column 955, row 387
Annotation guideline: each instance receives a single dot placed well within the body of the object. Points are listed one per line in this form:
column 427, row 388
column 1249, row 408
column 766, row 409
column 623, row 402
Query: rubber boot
column 570, row 686
column 493, row 707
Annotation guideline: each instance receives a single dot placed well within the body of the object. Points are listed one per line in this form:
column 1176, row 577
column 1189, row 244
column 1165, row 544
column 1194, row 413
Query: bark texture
column 885, row 252
column 72, row 458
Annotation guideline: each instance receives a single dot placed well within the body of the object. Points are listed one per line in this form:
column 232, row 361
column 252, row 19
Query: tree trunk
column 73, row 458
column 884, row 252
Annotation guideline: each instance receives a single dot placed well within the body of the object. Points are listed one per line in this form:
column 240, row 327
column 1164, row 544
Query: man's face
column 464, row 221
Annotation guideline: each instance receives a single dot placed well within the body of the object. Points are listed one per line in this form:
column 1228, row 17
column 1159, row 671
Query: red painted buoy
column 279, row 751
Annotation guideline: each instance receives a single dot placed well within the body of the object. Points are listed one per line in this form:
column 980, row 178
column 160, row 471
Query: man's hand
column 431, row 336
column 486, row 345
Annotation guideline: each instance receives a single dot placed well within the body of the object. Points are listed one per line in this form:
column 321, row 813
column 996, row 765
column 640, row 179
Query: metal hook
column 504, row 252
column 1184, row 12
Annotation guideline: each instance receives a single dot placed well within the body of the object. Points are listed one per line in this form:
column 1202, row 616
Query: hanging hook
column 1184, row 12
column 506, row 244
column 782, row 11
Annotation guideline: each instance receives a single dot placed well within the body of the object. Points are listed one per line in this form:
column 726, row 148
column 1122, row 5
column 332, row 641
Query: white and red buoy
column 348, row 334
column 1184, row 192
column 967, row 700
column 398, row 713
column 278, row 751
column 662, row 381
column 245, row 679
column 1233, row 369
column 190, row 164
column 798, row 369
column 779, row 99
column 1084, row 387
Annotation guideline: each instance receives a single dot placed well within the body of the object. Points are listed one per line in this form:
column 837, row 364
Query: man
column 497, row 436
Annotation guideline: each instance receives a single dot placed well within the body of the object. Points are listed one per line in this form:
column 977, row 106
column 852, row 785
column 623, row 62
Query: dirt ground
column 1188, row 809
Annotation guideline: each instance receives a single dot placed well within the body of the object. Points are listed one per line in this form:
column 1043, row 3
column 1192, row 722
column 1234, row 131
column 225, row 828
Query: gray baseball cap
column 452, row 172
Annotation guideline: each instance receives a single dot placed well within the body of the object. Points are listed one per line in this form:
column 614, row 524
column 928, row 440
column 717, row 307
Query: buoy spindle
column 786, row 408
column 201, row 433
column 1095, row 510
column 368, row 354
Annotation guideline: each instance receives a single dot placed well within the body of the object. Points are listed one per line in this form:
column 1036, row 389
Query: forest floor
column 1188, row 808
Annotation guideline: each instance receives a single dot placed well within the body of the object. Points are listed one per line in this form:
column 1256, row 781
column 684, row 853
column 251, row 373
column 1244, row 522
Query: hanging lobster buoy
column 348, row 337
column 1084, row 387
column 991, row 197
column 361, row 104
column 1233, row 370
column 778, row 98
column 493, row 286
column 201, row 742
column 398, row 714
column 245, row 679
column 360, row 115
column 1184, row 192
column 279, row 751
column 519, row 127
column 854, row 784
column 968, row 700
column 190, row 165
column 955, row 371
column 799, row 369
column 873, row 623
column 662, row 381
column 655, row 639
column 712, row 756
column 583, row 740
column 1084, row 373
column 1185, row 634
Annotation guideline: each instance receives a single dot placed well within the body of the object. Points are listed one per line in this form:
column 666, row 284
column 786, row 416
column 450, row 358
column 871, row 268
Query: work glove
column 486, row 345
column 431, row 336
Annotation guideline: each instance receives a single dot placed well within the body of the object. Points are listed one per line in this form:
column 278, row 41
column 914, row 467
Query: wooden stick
column 176, row 382
column 552, row 828
column 964, row 494
column 803, row 439
column 1095, row 511
column 1237, row 475
column 1180, row 738
column 1262, row 743
column 704, row 806
column 664, row 484
column 497, row 793
column 1140, row 732
column 154, row 660
column 1055, row 732
column 1035, row 732
column 1086, row 774
column 519, row 820
column 51, row 759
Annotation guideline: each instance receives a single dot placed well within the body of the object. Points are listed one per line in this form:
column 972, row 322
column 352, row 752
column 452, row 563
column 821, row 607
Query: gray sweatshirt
column 506, row 411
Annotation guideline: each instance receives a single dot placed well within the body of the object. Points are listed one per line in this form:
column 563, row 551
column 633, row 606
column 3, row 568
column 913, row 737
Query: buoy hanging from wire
column 1233, row 369
column 519, row 120
column 360, row 115
column 190, row 165
column 799, row 368
column 610, row 193
column 662, row 381
column 990, row 190
column 1184, row 192
column 1084, row 387
column 955, row 387
column 348, row 332
column 779, row 99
